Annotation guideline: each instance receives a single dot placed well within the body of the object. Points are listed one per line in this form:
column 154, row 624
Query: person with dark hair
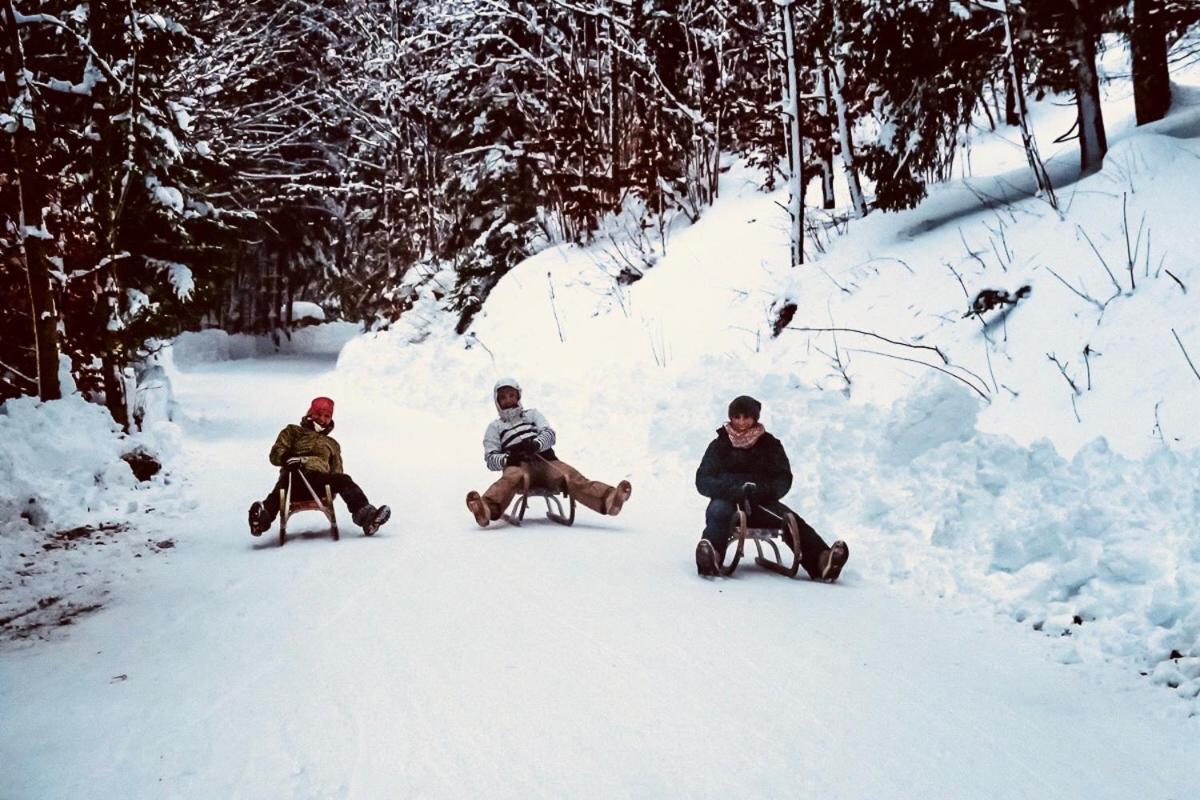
column 309, row 447
column 746, row 462
column 519, row 444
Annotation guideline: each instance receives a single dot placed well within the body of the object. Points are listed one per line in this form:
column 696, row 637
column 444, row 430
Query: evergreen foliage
column 169, row 163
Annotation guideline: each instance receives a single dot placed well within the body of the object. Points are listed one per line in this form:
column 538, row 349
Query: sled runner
column 550, row 495
column 763, row 536
column 289, row 505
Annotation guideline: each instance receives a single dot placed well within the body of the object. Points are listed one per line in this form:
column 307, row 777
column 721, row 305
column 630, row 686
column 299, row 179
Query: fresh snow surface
column 1023, row 563
column 440, row 660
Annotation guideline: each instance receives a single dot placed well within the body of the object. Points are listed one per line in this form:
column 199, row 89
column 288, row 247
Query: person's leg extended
column 596, row 495
column 345, row 487
column 587, row 492
column 500, row 494
column 812, row 546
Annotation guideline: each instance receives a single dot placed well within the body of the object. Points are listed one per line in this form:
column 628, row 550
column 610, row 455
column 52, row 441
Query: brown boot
column 479, row 508
column 617, row 497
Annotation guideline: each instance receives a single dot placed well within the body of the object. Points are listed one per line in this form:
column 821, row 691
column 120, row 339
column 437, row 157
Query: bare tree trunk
column 276, row 296
column 430, row 179
column 289, row 292
column 828, row 201
column 1093, row 143
column 245, row 289
column 1027, row 138
column 254, row 292
column 615, row 173
column 1011, row 116
column 845, row 133
column 113, row 356
column 114, row 153
column 713, row 156
column 791, row 102
column 30, row 222
column 1151, row 75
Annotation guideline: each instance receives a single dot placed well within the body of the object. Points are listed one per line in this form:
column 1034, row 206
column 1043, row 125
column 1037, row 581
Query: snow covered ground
column 1005, row 628
column 439, row 660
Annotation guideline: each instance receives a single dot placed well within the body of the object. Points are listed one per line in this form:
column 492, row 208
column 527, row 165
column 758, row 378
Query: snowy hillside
column 1047, row 466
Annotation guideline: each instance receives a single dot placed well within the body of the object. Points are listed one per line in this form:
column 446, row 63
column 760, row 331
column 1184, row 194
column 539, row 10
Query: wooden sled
column 741, row 531
column 289, row 505
column 554, row 505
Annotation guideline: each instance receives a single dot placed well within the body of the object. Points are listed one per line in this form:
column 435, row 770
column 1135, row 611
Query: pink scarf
column 742, row 441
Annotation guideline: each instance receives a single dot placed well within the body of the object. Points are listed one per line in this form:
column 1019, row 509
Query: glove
column 749, row 490
column 525, row 448
column 295, row 462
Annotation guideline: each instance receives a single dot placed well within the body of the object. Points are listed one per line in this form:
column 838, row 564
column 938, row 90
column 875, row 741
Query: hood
column 501, row 384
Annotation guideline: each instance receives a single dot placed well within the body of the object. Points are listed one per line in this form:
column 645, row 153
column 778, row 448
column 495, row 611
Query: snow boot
column 371, row 519
column 706, row 559
column 832, row 561
column 617, row 497
column 479, row 508
column 256, row 519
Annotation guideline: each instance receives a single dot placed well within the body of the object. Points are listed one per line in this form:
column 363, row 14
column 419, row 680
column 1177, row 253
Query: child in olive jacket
column 745, row 461
column 309, row 447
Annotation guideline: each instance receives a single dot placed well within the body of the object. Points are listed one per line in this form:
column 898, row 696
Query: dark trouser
column 718, row 527
column 341, row 484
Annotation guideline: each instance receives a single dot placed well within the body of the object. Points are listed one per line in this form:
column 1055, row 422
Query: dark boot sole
column 838, row 556
column 706, row 560
column 478, row 509
column 620, row 497
column 254, row 518
column 382, row 515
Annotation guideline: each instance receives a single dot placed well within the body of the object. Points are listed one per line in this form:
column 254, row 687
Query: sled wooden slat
column 289, row 505
column 554, row 505
column 741, row 531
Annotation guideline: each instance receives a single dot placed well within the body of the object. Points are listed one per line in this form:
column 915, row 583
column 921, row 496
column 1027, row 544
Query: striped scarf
column 746, row 440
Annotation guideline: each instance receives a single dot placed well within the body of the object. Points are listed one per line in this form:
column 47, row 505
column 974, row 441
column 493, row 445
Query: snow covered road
column 437, row 660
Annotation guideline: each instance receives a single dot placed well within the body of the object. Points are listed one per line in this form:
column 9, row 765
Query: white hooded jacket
column 513, row 426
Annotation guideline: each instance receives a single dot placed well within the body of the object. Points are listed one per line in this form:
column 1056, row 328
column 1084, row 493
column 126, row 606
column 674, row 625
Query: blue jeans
column 718, row 527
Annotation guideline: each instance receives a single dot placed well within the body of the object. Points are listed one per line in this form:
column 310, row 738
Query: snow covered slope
column 437, row 660
column 1043, row 463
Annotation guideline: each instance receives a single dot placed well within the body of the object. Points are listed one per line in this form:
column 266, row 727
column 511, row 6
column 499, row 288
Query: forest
column 178, row 164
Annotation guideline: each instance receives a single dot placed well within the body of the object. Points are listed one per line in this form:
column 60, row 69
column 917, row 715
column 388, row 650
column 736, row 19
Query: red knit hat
column 320, row 404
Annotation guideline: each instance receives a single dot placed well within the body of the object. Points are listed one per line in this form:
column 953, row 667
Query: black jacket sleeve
column 778, row 472
column 712, row 481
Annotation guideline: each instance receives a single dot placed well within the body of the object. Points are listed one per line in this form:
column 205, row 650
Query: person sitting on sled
column 309, row 447
column 518, row 444
column 746, row 462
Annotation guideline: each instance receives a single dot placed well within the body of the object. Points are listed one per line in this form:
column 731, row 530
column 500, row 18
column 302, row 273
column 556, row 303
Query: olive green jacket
column 321, row 453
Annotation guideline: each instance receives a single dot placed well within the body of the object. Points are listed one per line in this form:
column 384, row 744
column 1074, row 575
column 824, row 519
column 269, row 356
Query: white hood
column 500, row 384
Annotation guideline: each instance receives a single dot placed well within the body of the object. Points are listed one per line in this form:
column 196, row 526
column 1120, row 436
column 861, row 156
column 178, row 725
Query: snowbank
column 1100, row 551
column 70, row 507
column 198, row 347
column 304, row 310
column 1061, row 489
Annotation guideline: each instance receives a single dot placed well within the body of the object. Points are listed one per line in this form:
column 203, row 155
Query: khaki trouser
column 545, row 475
